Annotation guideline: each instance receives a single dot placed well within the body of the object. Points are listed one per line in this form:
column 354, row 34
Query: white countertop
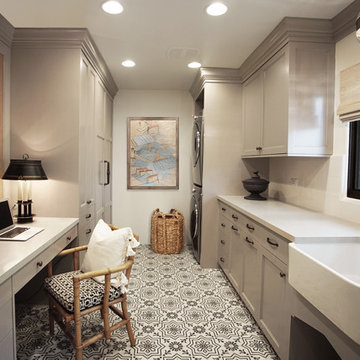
column 16, row 254
column 292, row 222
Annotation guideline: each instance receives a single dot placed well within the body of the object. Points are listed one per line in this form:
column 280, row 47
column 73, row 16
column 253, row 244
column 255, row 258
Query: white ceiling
column 151, row 31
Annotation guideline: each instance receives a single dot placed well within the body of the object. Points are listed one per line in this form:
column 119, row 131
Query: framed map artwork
column 153, row 153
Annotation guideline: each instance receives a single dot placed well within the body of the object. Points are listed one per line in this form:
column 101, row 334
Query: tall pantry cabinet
column 61, row 113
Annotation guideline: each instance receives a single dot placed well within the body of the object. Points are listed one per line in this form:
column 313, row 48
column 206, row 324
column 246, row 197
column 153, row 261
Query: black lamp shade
column 24, row 169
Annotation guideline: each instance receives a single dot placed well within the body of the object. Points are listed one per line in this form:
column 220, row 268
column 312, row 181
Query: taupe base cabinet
column 255, row 260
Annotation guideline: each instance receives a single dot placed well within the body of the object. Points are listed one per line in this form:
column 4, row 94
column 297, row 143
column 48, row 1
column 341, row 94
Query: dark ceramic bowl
column 255, row 186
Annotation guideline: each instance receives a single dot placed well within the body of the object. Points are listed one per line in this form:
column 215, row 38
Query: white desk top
column 292, row 222
column 15, row 254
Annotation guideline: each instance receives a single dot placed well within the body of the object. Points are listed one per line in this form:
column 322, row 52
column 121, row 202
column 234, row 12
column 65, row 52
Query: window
column 354, row 161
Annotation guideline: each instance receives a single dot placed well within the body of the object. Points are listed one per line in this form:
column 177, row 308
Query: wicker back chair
column 75, row 294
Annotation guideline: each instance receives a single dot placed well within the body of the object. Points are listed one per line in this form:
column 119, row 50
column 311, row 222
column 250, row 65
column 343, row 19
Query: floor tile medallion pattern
column 178, row 311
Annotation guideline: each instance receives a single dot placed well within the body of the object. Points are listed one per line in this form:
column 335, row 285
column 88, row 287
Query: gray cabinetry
column 288, row 97
column 255, row 262
column 67, row 100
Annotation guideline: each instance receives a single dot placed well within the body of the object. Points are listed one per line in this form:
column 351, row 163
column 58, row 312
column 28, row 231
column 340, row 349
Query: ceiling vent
column 179, row 53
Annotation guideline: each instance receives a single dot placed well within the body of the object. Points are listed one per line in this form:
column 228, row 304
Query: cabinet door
column 276, row 100
column 274, row 317
column 224, row 244
column 252, row 114
column 251, row 275
column 86, row 136
column 236, row 258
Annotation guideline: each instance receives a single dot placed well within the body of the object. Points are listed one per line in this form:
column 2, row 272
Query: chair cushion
column 108, row 249
column 91, row 292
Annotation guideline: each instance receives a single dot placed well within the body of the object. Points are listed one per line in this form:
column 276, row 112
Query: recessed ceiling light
column 112, row 7
column 194, row 65
column 216, row 9
column 128, row 63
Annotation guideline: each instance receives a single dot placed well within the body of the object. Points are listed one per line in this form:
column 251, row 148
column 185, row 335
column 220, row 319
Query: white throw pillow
column 107, row 249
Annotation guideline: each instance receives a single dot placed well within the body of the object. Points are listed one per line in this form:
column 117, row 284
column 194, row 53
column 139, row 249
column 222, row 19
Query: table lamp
column 24, row 170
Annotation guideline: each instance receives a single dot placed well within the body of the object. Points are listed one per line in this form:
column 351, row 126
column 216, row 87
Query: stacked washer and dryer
column 196, row 199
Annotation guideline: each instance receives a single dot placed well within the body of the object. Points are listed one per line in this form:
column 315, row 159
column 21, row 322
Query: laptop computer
column 11, row 232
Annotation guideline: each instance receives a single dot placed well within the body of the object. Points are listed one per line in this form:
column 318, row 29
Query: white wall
column 320, row 183
column 134, row 207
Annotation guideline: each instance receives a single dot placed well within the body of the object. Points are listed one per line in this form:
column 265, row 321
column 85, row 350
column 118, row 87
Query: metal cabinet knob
column 222, row 241
column 234, row 228
column 282, row 274
column 88, row 231
column 223, row 225
column 68, row 238
column 89, row 202
column 222, row 259
column 259, row 148
column 88, row 216
column 39, row 263
column 234, row 217
column 223, row 209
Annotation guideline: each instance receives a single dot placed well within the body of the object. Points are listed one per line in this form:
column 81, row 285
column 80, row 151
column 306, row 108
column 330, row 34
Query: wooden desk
column 20, row 261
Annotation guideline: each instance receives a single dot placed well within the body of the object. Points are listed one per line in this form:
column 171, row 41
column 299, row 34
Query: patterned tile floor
column 178, row 311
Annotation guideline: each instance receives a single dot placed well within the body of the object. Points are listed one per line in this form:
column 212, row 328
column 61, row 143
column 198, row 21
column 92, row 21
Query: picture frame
column 153, row 153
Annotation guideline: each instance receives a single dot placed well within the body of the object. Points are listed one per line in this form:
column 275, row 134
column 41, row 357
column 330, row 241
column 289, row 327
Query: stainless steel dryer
column 197, row 150
column 195, row 220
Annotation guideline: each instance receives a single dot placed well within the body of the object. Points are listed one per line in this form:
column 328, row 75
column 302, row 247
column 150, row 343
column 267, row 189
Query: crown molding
column 344, row 23
column 288, row 30
column 207, row 75
column 66, row 38
column 6, row 31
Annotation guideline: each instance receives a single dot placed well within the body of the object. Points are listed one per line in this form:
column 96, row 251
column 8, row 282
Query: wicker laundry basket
column 167, row 232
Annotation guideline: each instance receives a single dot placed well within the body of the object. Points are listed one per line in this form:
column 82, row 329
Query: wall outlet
column 294, row 181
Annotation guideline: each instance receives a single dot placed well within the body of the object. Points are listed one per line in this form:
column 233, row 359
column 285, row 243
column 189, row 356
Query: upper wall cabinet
column 288, row 96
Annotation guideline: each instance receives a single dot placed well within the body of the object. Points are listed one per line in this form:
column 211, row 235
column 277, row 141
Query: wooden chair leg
column 105, row 313
column 128, row 325
column 78, row 353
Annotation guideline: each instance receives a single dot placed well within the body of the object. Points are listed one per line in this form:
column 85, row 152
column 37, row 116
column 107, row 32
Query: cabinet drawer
column 225, row 210
column 251, row 227
column 275, row 244
column 5, row 309
column 40, row 261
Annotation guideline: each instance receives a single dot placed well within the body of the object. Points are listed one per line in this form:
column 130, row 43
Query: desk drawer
column 40, row 261
column 5, row 309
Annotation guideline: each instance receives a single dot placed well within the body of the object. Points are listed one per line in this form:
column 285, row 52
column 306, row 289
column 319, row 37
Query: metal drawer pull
column 222, row 259
column 68, row 238
column 223, row 209
column 234, row 228
column 250, row 227
column 234, row 217
column 272, row 243
column 249, row 241
column 88, row 216
column 282, row 275
column 222, row 241
column 89, row 202
column 258, row 148
column 39, row 263
column 222, row 224
column 88, row 231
